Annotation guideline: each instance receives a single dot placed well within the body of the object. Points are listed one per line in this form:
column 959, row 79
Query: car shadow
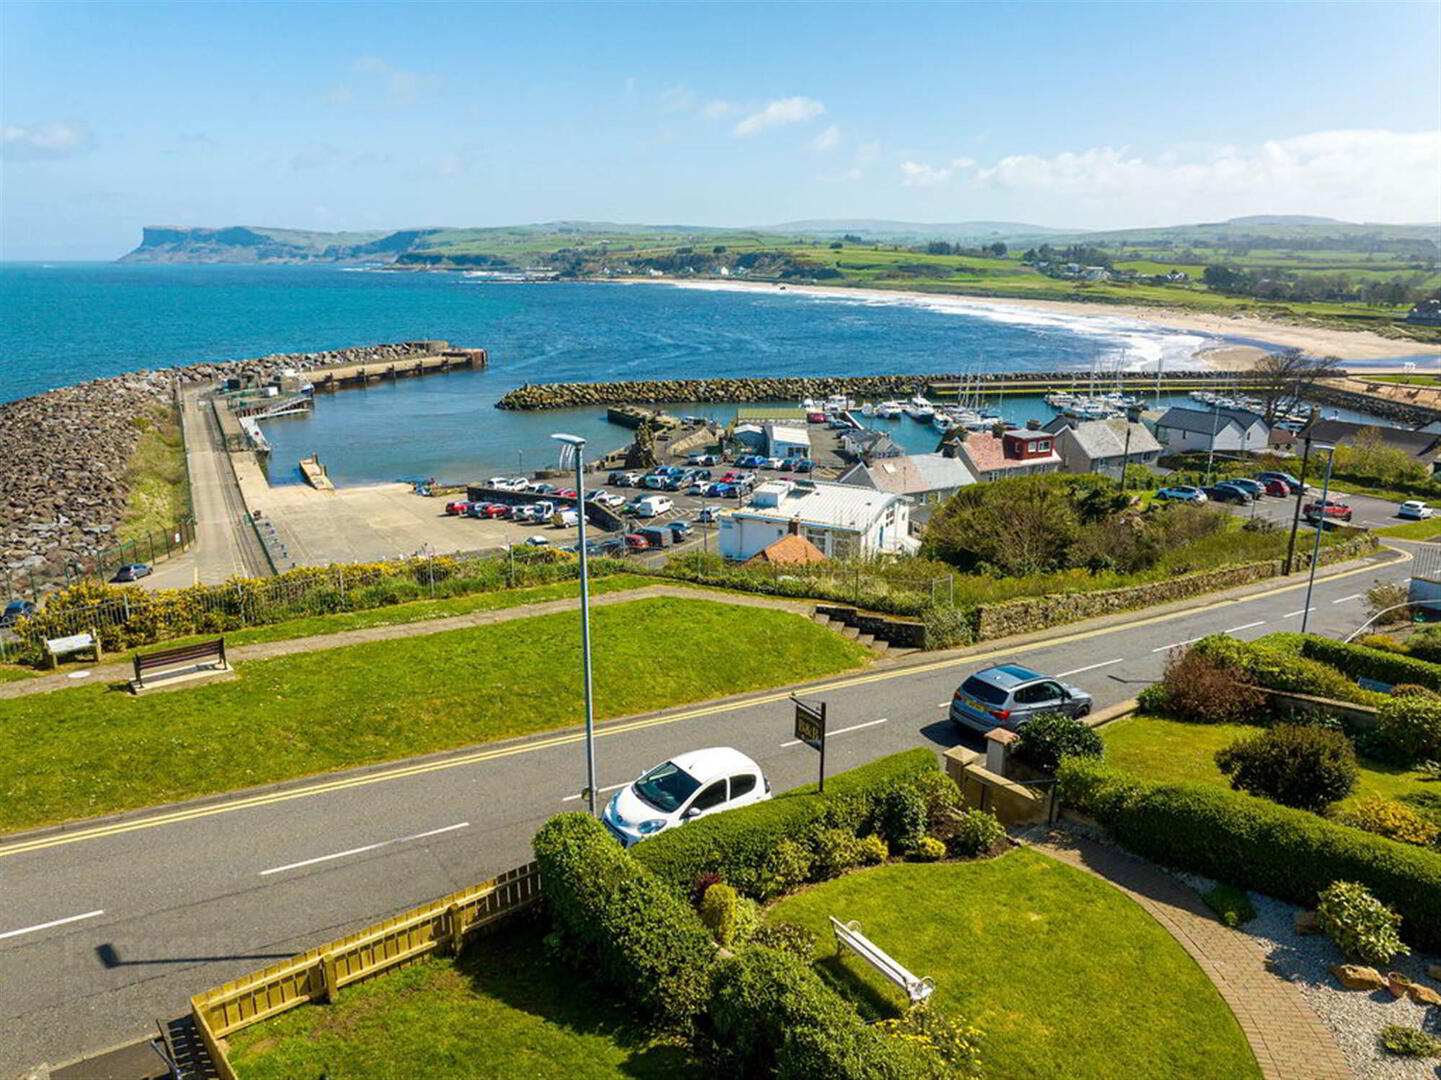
column 947, row 733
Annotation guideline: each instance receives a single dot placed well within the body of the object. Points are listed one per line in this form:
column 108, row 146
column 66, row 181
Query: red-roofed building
column 790, row 550
column 990, row 456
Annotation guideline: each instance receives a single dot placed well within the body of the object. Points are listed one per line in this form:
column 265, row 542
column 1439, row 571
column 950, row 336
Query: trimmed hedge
column 772, row 1016
column 1358, row 661
column 740, row 845
column 1275, row 662
column 642, row 938
column 1256, row 844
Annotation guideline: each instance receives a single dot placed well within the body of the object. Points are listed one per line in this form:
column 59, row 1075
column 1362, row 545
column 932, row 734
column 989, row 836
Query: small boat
column 868, row 409
column 943, row 421
column 889, row 410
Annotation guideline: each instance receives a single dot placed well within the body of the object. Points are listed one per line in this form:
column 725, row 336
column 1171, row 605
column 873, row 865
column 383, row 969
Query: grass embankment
column 96, row 750
column 1065, row 976
column 504, row 1008
column 1413, row 530
column 1170, row 751
column 156, row 478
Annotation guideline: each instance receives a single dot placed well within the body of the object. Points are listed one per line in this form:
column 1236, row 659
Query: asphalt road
column 104, row 928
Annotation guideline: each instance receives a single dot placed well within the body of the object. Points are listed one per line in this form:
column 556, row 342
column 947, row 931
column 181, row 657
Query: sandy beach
column 1349, row 345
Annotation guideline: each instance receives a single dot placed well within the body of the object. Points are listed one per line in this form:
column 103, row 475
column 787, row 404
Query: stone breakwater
column 64, row 453
column 659, row 391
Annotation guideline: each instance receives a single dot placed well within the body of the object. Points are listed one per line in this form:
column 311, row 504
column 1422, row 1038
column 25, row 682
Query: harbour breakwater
column 64, row 454
column 874, row 387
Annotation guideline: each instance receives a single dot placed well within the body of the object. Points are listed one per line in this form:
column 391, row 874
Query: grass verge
column 96, row 750
column 158, row 486
column 1065, row 976
column 1413, row 530
column 503, row 1009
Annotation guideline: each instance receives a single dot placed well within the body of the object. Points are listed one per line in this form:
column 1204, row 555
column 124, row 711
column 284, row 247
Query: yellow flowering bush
column 952, row 1040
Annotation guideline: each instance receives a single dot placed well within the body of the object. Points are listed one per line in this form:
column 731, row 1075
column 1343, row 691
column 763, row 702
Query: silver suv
column 1008, row 695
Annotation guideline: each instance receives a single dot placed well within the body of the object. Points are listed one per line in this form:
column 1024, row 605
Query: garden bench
column 55, row 648
column 848, row 935
column 185, row 662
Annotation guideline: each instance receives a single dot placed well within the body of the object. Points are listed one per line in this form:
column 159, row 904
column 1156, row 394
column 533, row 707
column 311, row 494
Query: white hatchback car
column 1414, row 509
column 682, row 789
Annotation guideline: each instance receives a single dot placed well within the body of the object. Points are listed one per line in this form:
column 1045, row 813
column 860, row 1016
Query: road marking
column 1177, row 644
column 598, row 791
column 52, row 922
column 842, row 731
column 1245, row 626
column 944, row 705
column 1298, row 611
column 531, row 746
column 1089, row 667
column 361, row 850
column 1353, row 596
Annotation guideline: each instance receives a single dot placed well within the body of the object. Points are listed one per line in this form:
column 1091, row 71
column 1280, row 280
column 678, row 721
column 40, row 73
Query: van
column 652, row 505
column 656, row 537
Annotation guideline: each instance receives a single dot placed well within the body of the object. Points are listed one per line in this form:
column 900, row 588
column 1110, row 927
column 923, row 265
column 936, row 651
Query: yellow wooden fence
column 315, row 975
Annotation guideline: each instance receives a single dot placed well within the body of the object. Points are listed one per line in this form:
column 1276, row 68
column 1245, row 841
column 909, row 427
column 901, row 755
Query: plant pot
column 1397, row 983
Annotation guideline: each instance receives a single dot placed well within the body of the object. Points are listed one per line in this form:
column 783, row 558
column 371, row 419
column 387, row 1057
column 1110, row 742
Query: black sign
column 811, row 730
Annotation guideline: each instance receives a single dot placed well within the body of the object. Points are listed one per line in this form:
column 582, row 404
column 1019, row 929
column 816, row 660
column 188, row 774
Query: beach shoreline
column 1369, row 350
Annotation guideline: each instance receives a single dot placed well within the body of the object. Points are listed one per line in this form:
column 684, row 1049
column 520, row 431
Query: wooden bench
column 55, row 648
column 848, row 935
column 185, row 662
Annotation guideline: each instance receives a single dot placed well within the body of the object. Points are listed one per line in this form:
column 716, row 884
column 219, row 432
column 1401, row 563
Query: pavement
column 107, row 925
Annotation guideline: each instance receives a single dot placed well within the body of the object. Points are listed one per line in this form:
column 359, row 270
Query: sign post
column 811, row 730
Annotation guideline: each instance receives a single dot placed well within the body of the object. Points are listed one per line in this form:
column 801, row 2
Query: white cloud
column 828, row 139
column 1360, row 175
column 961, row 164
column 47, row 142
column 782, row 111
column 919, row 174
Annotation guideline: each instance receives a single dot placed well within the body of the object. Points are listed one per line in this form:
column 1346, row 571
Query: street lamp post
column 1320, row 527
column 577, row 444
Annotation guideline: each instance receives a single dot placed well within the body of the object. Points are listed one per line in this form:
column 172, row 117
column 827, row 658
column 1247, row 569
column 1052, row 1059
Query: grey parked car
column 1008, row 695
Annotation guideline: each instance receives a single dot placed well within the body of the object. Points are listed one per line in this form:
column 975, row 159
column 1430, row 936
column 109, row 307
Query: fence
column 440, row 926
column 152, row 546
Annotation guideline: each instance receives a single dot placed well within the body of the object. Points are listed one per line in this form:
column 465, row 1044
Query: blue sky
column 350, row 115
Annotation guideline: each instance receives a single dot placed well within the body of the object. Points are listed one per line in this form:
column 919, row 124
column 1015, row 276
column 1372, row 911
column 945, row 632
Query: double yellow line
column 154, row 821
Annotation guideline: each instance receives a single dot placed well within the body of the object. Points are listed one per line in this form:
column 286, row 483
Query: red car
column 636, row 542
column 458, row 507
column 1330, row 509
column 496, row 510
column 1275, row 487
column 564, row 493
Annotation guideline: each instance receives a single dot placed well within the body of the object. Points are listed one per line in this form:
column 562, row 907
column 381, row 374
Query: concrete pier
column 348, row 375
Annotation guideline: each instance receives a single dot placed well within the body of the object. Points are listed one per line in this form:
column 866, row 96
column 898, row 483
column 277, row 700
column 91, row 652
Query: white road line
column 842, row 731
column 1298, row 611
column 367, row 847
column 598, row 791
column 1342, row 600
column 944, row 705
column 1089, row 667
column 1176, row 644
column 1246, row 626
column 52, row 922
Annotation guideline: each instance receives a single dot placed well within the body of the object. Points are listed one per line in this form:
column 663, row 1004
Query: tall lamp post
column 1320, row 528
column 577, row 445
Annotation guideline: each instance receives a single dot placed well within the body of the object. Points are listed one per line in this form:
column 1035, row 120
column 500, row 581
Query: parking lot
column 1367, row 512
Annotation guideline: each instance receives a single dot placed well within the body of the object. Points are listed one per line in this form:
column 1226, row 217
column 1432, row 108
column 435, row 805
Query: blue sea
column 68, row 322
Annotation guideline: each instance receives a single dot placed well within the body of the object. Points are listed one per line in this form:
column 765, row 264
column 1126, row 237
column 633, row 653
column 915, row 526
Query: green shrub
column 718, row 912
column 836, row 850
column 1255, row 844
column 1425, row 644
column 1391, row 819
column 902, row 817
column 1199, row 686
column 786, row 937
column 744, row 846
column 975, row 832
column 947, row 626
column 1231, row 905
column 939, row 792
column 1274, row 662
column 747, row 919
column 772, row 1016
column 1411, row 727
column 1302, row 766
column 1358, row 661
column 640, row 936
column 1361, row 926
column 1409, row 1042
column 952, row 1040
column 1047, row 738
column 872, row 850
column 930, row 849
column 1383, row 642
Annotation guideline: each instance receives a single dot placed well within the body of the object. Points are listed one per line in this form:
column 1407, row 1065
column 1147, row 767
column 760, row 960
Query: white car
column 537, row 541
column 565, row 519
column 682, row 789
column 652, row 506
column 1414, row 509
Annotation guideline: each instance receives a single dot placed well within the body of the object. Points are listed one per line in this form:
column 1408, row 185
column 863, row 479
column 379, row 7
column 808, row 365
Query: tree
column 1288, row 376
column 998, row 249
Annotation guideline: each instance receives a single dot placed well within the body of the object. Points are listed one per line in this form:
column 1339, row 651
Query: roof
column 789, row 433
column 913, row 474
column 791, row 549
column 1107, row 438
column 818, row 503
column 1206, row 421
column 1416, row 443
column 714, row 762
column 986, row 453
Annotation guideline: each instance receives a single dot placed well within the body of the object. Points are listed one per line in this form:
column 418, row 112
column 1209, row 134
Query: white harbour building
column 841, row 520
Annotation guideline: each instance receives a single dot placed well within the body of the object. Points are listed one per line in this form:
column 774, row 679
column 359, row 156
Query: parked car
column 15, row 611
column 1330, row 510
column 636, row 542
column 803, row 465
column 679, row 530
column 702, row 459
column 496, row 510
column 1008, row 695
column 708, row 513
column 652, row 505
column 1278, row 488
column 1252, row 487
column 1414, row 509
column 656, row 536
column 564, row 493
column 687, row 787
column 1226, row 493
column 772, row 463
column 477, row 509
column 537, row 541
column 460, row 506
column 1181, row 493
column 565, row 518
column 1293, row 486
column 133, row 571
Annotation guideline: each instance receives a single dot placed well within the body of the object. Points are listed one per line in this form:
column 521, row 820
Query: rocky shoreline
column 65, row 454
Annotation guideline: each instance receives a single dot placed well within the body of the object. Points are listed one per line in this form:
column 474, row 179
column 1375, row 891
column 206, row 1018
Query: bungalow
column 1424, row 446
column 839, row 520
column 867, row 445
column 1425, row 312
column 921, row 478
column 991, row 455
column 788, row 441
column 1211, row 429
column 1103, row 446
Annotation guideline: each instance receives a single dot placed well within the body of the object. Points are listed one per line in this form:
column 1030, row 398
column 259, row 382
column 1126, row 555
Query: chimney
column 1033, row 425
column 793, row 527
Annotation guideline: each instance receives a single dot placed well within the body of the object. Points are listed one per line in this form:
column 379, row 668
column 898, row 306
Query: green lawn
column 503, row 1009
column 1066, row 978
column 158, row 486
column 1171, row 751
column 1413, row 530
column 93, row 750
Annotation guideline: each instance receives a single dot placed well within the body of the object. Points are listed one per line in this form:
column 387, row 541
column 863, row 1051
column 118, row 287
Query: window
column 817, row 537
column 843, row 545
column 711, row 797
column 1043, row 447
column 666, row 786
column 742, row 785
column 987, row 692
column 1038, row 693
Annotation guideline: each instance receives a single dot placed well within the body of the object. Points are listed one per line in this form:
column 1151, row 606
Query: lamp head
column 572, row 440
